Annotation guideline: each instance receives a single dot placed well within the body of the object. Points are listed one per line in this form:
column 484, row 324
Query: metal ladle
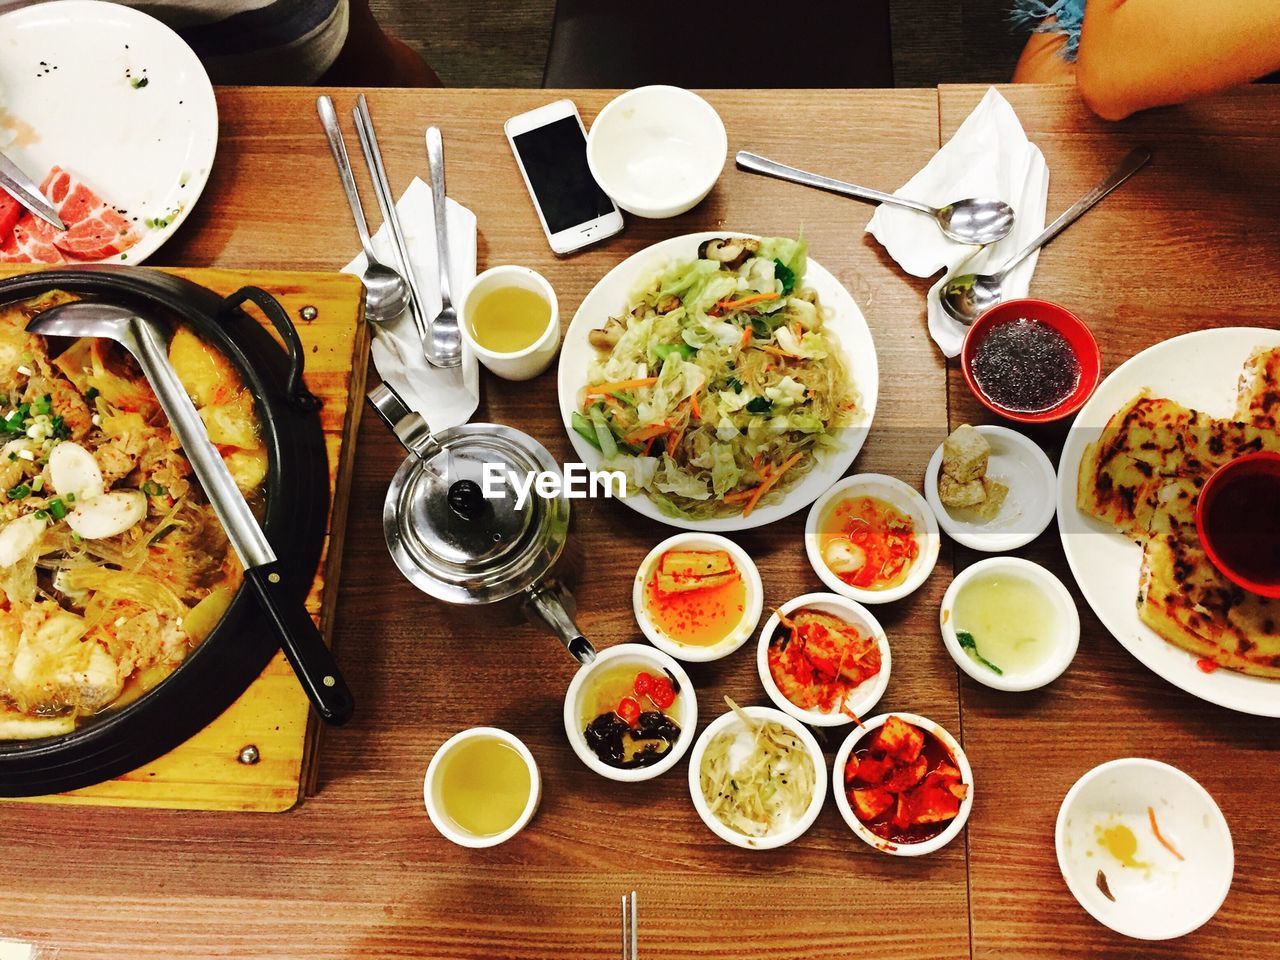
column 965, row 221
column 968, row 296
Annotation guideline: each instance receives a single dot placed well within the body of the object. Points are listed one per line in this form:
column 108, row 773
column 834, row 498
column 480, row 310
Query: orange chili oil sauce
column 868, row 543
column 700, row 616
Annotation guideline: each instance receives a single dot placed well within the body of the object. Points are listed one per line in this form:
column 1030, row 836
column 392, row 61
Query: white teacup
column 532, row 360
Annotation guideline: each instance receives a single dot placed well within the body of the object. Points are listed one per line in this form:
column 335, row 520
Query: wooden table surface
column 358, row 871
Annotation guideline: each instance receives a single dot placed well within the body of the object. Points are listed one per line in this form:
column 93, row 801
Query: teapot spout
column 545, row 604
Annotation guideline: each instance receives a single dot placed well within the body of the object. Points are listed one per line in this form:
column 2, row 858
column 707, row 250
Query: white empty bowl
column 688, row 652
column 1165, row 897
column 520, row 364
column 1065, row 641
column 431, row 789
column 657, row 151
column 1028, row 509
column 905, row 499
column 864, row 696
column 730, row 721
column 949, row 833
column 654, row 662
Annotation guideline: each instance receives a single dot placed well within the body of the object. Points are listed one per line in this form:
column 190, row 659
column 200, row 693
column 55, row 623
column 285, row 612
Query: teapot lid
column 463, row 520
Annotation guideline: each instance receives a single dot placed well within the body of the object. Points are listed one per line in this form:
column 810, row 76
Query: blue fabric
column 1067, row 15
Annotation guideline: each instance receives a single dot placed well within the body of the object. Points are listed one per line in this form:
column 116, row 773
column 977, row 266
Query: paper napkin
column 444, row 397
column 989, row 156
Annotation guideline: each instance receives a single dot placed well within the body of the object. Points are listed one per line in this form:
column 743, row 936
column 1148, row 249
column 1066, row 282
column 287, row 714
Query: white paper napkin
column 989, row 156
column 444, row 397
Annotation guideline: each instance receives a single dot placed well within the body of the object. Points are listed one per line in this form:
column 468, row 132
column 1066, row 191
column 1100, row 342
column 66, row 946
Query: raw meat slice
column 10, row 211
column 95, row 230
column 32, row 241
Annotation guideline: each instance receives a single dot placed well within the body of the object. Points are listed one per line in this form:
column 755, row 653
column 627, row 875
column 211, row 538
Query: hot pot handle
column 408, row 425
column 296, row 391
column 544, row 603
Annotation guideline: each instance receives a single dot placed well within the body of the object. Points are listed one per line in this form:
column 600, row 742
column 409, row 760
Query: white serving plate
column 147, row 151
column 845, row 323
column 1198, row 370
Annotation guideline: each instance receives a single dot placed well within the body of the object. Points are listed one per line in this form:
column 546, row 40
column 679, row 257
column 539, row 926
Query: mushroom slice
column 108, row 515
column 731, row 252
column 607, row 337
column 18, row 537
column 73, row 470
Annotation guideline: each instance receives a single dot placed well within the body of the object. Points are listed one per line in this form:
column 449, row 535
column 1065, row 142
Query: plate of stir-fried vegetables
column 729, row 377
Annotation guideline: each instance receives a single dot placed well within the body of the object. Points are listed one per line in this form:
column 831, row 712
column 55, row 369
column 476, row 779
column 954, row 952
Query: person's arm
column 1136, row 54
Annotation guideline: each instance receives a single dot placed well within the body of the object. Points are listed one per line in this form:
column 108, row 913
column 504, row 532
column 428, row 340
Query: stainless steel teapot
column 460, row 535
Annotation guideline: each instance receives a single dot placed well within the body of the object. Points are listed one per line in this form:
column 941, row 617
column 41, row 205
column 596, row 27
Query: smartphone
column 550, row 145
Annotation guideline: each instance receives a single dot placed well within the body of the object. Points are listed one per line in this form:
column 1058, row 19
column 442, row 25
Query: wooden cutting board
column 273, row 716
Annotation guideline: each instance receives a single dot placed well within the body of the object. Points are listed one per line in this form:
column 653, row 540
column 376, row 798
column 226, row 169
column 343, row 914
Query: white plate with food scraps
column 610, row 298
column 1144, row 848
column 859, row 700
column 117, row 99
column 1028, row 508
column 1199, row 370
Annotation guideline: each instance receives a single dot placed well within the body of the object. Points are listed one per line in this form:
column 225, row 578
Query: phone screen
column 555, row 161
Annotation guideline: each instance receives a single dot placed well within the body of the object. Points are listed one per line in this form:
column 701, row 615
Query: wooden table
column 357, row 870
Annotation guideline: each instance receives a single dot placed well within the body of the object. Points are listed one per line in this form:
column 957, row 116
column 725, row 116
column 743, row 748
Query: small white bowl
column 782, row 837
column 1065, row 644
column 657, row 150
column 435, row 808
column 520, row 364
column 1028, row 509
column 655, row 662
column 865, row 696
column 691, row 653
column 1170, row 897
column 896, row 493
column 862, row 830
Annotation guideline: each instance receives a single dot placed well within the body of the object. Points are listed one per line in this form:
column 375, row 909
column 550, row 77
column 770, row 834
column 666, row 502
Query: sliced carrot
column 648, row 446
column 647, row 432
column 769, row 482
column 693, row 404
column 602, row 389
column 746, row 301
column 1151, row 815
column 746, row 336
column 737, row 495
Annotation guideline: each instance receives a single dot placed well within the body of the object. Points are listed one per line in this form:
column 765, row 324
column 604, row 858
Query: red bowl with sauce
column 1031, row 361
column 1238, row 521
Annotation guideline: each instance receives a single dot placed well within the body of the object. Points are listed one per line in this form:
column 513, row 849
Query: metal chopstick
column 386, row 204
column 630, row 949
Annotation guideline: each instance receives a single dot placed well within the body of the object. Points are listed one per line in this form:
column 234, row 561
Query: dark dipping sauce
column 1243, row 521
column 1025, row 366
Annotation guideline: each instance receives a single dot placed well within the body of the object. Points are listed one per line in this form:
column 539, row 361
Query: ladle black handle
column 305, row 648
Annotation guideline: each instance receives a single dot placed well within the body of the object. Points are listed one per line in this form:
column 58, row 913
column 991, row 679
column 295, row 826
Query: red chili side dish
column 868, row 543
column 905, row 786
column 817, row 660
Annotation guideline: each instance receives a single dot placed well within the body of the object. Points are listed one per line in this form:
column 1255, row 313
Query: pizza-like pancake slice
column 1184, row 599
column 1259, row 397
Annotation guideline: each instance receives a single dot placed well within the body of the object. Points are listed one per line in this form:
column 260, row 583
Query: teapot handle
column 544, row 603
column 408, row 425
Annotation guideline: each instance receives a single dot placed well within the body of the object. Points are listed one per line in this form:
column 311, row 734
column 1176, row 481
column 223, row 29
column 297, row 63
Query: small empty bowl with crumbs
column 991, row 488
column 1144, row 849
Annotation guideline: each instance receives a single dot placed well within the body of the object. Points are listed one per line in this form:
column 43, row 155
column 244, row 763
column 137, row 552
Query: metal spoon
column 385, row 293
column 446, row 341
column 965, row 221
column 966, row 297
